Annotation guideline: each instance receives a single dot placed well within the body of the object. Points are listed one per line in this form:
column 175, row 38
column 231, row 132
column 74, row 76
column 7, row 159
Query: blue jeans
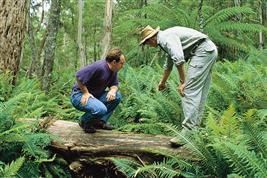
column 95, row 107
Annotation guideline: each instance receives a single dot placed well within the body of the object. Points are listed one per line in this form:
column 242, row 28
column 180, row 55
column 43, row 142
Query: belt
column 197, row 44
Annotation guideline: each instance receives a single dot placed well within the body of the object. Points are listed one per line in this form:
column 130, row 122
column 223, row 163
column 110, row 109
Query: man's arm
column 86, row 94
column 181, row 72
column 162, row 83
column 112, row 93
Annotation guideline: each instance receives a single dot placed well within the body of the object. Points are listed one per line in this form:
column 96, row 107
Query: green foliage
column 142, row 101
column 12, row 169
column 242, row 83
column 24, row 144
column 168, row 168
column 244, row 162
column 5, row 87
column 222, row 154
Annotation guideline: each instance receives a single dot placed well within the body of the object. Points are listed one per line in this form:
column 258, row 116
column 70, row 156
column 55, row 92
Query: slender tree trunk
column 36, row 52
column 238, row 4
column 33, row 47
column 260, row 9
column 13, row 14
column 79, row 35
column 50, row 45
column 200, row 15
column 263, row 20
column 106, row 42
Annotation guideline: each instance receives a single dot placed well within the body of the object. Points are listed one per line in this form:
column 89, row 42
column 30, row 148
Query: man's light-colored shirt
column 178, row 42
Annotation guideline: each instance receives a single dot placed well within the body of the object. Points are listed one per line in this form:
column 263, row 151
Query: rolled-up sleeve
column 173, row 45
column 168, row 63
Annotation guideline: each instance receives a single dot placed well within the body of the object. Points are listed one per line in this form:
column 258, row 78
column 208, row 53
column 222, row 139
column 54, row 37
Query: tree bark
column 13, row 16
column 50, row 45
column 33, row 47
column 238, row 4
column 79, row 34
column 106, row 41
column 263, row 20
column 200, row 15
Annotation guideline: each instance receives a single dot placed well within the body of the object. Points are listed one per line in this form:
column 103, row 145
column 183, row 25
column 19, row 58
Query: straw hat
column 147, row 33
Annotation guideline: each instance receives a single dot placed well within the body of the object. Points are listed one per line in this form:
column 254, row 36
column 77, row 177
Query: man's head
column 115, row 59
column 148, row 36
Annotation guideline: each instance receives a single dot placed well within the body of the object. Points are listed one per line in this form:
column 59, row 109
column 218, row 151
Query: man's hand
column 111, row 95
column 161, row 85
column 181, row 89
column 85, row 98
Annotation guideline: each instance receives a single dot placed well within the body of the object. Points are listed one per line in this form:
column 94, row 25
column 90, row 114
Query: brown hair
column 114, row 54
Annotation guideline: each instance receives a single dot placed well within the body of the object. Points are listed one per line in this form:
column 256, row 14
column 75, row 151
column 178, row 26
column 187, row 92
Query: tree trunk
column 238, row 4
column 35, row 66
column 13, row 14
column 33, row 47
column 79, row 35
column 263, row 20
column 200, row 15
column 50, row 45
column 106, row 41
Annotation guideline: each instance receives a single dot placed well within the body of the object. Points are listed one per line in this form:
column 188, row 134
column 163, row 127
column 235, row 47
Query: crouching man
column 89, row 92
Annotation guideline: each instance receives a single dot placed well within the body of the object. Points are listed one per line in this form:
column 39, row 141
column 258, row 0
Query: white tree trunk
column 261, row 41
column 79, row 35
column 200, row 15
column 238, row 4
column 106, row 41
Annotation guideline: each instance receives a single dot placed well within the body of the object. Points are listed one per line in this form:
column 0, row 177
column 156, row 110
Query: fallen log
column 82, row 150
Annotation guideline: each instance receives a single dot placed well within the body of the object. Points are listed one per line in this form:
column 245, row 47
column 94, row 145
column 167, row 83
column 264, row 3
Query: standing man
column 89, row 93
column 182, row 44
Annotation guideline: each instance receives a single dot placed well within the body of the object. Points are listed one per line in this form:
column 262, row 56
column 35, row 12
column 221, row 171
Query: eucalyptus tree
column 36, row 28
column 106, row 41
column 13, row 16
column 81, row 49
column 50, row 45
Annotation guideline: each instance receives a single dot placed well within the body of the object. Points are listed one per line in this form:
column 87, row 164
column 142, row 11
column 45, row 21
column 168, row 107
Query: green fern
column 244, row 162
column 128, row 167
column 12, row 169
column 253, row 135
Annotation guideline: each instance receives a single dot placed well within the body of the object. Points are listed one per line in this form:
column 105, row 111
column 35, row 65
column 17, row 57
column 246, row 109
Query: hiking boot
column 99, row 124
column 87, row 127
column 180, row 141
column 175, row 142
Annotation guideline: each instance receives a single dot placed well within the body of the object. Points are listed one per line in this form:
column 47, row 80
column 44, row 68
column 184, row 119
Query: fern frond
column 157, row 170
column 225, row 14
column 128, row 167
column 12, row 169
column 238, row 26
column 243, row 161
column 254, row 137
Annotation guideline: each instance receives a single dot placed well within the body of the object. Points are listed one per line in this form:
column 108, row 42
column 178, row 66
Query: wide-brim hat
column 147, row 33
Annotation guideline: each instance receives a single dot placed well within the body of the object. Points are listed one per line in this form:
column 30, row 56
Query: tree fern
column 225, row 14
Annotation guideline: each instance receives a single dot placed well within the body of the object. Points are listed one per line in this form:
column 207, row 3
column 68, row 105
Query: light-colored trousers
column 197, row 84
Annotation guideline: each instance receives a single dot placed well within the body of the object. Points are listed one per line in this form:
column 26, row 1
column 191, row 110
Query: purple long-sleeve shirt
column 96, row 77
